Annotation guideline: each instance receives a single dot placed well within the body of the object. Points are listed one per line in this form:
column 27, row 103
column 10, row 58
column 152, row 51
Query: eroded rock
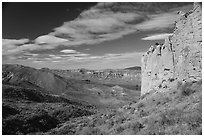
column 179, row 58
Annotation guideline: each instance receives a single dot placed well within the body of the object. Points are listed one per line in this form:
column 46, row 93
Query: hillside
column 26, row 76
column 34, row 98
column 75, row 89
column 30, row 110
column 177, row 112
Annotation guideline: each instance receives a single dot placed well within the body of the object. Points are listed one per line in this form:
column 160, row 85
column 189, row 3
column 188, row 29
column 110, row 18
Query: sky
column 87, row 35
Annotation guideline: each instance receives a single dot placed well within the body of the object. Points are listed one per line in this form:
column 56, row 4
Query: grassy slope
column 174, row 112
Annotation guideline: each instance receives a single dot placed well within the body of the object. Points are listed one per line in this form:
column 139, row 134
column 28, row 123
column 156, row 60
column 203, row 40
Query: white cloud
column 6, row 42
column 67, row 55
column 29, row 54
column 106, row 61
column 37, row 61
column 18, row 49
column 158, row 22
column 157, row 36
column 102, row 23
column 95, row 26
column 112, row 55
column 56, row 61
column 81, row 55
column 47, row 58
column 96, row 57
column 49, row 39
column 30, row 58
column 9, row 45
column 13, row 46
column 68, row 51
column 56, row 57
column 51, row 55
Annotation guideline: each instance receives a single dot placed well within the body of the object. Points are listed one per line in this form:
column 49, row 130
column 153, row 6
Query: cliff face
column 179, row 59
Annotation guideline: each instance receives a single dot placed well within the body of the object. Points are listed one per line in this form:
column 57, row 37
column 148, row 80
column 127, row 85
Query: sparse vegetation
column 155, row 114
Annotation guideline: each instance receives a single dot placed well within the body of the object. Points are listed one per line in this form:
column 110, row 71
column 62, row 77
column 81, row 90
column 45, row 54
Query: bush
column 136, row 127
column 38, row 121
column 41, row 122
column 119, row 129
column 188, row 88
column 91, row 131
column 140, row 105
column 12, row 125
column 8, row 110
column 120, row 120
column 143, row 113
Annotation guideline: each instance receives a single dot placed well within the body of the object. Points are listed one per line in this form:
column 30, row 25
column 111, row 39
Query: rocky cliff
column 179, row 59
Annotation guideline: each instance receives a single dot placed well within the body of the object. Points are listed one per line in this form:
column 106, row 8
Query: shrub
column 120, row 129
column 188, row 88
column 187, row 91
column 12, row 125
column 171, row 117
column 91, row 131
column 143, row 113
column 120, row 120
column 8, row 110
column 137, row 126
column 41, row 122
column 38, row 121
column 140, row 105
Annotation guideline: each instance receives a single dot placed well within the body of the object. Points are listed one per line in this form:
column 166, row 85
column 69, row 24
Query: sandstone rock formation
column 179, row 58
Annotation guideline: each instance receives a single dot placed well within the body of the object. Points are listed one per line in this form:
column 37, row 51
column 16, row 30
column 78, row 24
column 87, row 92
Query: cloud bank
column 102, row 22
column 157, row 36
column 109, row 21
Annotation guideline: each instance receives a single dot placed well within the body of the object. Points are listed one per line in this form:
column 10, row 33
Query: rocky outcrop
column 179, row 58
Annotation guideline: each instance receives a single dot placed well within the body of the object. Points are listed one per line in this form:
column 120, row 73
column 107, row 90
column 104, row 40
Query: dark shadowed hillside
column 30, row 110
